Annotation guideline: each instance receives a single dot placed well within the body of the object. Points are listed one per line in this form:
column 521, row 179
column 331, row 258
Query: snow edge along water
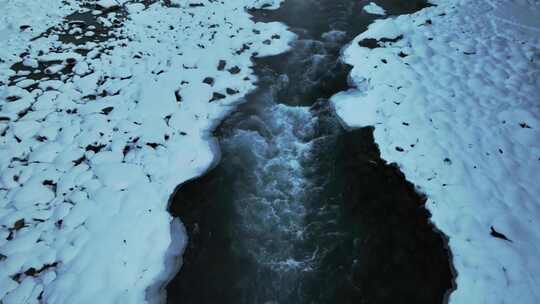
column 178, row 243
column 85, row 223
column 452, row 93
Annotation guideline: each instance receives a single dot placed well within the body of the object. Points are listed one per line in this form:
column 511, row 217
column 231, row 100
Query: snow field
column 93, row 145
column 453, row 94
column 21, row 21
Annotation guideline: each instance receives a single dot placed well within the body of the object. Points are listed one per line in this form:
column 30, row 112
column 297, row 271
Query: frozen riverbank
column 299, row 210
column 102, row 117
column 453, row 92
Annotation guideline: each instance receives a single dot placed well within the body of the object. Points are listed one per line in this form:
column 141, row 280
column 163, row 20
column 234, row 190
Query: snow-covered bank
column 454, row 94
column 93, row 146
column 22, row 20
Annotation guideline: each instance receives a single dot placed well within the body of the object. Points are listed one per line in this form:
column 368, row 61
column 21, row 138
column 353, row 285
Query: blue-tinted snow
column 90, row 157
column 455, row 102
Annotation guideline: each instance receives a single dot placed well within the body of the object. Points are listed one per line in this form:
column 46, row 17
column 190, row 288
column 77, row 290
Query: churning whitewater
column 299, row 210
column 269, row 151
column 275, row 145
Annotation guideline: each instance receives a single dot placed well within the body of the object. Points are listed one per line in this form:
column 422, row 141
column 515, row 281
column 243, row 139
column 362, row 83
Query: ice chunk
column 374, row 9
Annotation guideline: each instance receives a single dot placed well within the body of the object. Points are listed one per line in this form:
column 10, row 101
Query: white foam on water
column 271, row 205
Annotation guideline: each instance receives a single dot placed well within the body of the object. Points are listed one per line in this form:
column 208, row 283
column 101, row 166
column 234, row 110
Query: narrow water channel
column 300, row 210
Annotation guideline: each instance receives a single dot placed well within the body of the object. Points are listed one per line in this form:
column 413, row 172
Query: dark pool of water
column 299, row 210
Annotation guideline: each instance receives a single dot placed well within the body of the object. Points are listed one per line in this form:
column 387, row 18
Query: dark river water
column 300, row 210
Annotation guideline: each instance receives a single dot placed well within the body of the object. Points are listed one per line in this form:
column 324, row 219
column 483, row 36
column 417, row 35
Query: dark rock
column 234, row 70
column 496, row 234
column 217, row 96
column 107, row 110
column 209, row 81
column 221, row 65
column 231, row 91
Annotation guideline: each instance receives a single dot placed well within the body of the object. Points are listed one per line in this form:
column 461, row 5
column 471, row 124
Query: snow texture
column 454, row 95
column 107, row 4
column 21, row 20
column 98, row 131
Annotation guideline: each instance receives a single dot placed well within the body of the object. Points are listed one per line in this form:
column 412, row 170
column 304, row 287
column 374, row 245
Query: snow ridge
column 453, row 94
column 99, row 127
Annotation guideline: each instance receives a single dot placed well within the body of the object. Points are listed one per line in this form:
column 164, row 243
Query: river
column 300, row 210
